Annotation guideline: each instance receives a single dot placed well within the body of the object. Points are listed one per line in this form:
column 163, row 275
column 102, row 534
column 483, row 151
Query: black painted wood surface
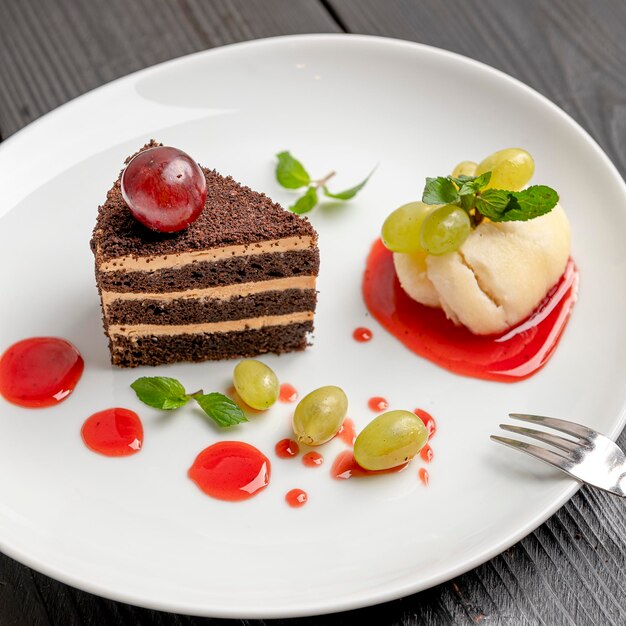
column 572, row 569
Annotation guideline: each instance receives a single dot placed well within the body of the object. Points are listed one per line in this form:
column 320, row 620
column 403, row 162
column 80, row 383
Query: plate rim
column 352, row 600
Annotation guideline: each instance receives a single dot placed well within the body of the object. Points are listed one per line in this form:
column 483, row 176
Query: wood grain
column 53, row 51
column 572, row 569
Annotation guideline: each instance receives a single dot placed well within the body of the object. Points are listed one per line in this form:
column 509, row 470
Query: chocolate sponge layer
column 128, row 352
column 196, row 311
column 239, row 269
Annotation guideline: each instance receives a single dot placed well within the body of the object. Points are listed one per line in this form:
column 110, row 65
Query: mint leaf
column 306, row 202
column 440, row 190
column 160, row 392
column 348, row 194
column 492, row 203
column 473, row 183
column 532, row 202
column 290, row 173
column 221, row 409
column 516, row 206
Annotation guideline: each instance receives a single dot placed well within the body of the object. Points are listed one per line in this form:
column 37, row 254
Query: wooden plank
column 53, row 51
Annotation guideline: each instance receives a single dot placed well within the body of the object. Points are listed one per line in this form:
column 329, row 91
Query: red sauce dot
column 286, row 448
column 113, row 432
column 347, row 433
column 345, row 466
column 423, row 476
column 378, row 404
column 427, row 453
column 429, row 421
column 296, row 498
column 40, row 372
column 287, row 393
column 362, row 334
column 231, row 470
column 312, row 459
column 512, row 356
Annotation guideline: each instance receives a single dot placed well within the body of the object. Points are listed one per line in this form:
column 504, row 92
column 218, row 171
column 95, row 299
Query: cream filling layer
column 223, row 292
column 174, row 261
column 139, row 330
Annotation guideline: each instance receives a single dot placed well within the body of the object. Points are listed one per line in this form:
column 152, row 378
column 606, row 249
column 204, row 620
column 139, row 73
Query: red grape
column 164, row 188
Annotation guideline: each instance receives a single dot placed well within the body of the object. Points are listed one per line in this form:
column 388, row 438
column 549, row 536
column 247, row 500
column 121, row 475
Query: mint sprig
column 291, row 174
column 166, row 393
column 498, row 205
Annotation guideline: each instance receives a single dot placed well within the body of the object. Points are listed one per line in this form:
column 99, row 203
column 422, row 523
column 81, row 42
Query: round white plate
column 137, row 529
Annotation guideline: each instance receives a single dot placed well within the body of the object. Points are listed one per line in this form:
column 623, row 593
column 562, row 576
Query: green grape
column 445, row 230
column 319, row 415
column 401, row 229
column 256, row 384
column 465, row 168
column 389, row 440
column 511, row 169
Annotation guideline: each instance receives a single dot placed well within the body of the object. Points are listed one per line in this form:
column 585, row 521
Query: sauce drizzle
column 296, row 498
column 513, row 356
column 312, row 459
column 288, row 393
column 347, row 432
column 378, row 404
column 362, row 334
column 286, row 449
column 40, row 371
column 231, row 470
column 113, row 432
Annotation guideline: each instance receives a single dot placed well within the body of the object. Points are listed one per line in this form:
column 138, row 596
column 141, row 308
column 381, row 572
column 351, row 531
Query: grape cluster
column 439, row 229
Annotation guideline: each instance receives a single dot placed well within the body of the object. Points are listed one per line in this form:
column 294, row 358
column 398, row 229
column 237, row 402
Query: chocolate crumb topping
column 233, row 215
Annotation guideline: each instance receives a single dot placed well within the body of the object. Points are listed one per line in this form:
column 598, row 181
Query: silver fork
column 588, row 457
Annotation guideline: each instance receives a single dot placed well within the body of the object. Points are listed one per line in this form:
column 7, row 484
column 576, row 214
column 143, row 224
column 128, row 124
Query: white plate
column 137, row 529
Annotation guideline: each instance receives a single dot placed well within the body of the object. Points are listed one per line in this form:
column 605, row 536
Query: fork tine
column 553, row 440
column 548, row 456
column 576, row 430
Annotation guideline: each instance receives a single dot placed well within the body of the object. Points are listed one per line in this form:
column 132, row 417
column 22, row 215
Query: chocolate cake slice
column 238, row 282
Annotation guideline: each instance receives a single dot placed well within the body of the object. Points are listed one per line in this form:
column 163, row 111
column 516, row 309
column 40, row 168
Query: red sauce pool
column 362, row 334
column 113, row 432
column 378, row 404
column 40, row 371
column 287, row 393
column 513, row 356
column 296, row 498
column 429, row 421
column 347, row 433
column 312, row 459
column 345, row 466
column 231, row 470
column 286, row 448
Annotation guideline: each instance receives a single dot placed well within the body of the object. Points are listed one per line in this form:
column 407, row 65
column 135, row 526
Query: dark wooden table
column 572, row 570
